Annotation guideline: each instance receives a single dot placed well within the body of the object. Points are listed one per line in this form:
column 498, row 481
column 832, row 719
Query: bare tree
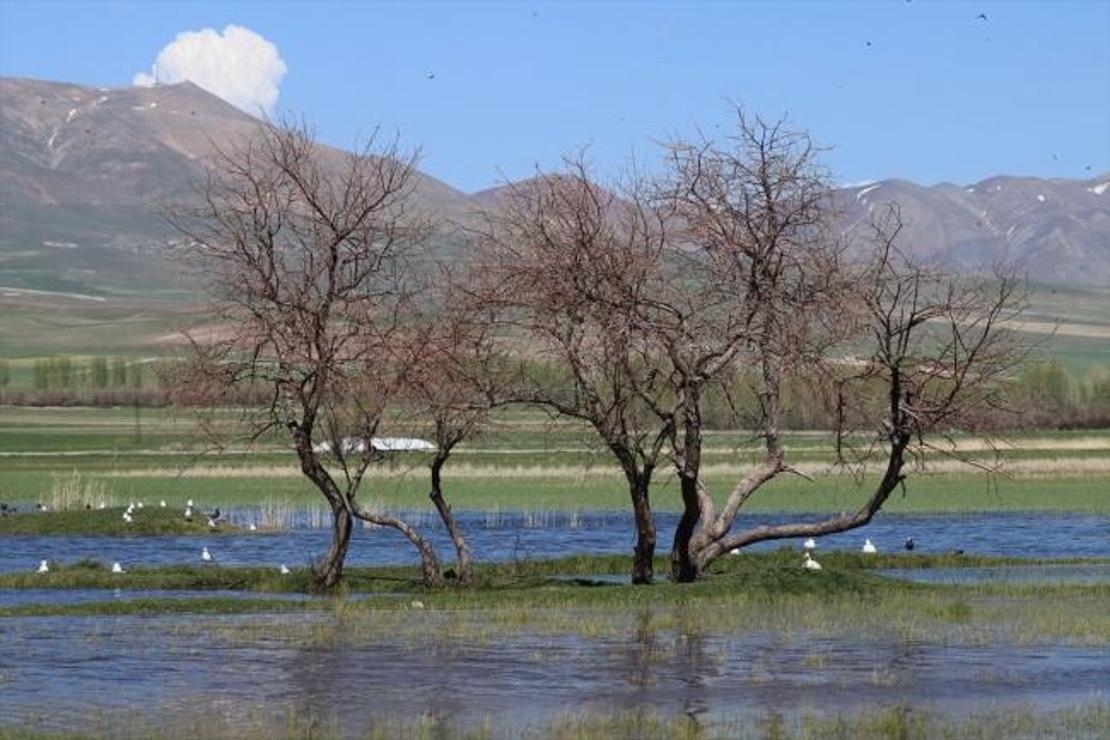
column 567, row 265
column 455, row 377
column 774, row 298
column 303, row 251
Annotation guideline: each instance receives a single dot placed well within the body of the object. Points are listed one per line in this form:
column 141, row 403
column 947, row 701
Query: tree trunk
column 684, row 561
column 643, row 561
column 429, row 561
column 328, row 573
column 466, row 570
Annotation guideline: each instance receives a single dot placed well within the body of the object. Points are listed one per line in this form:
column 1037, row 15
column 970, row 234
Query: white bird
column 162, row 503
column 43, row 567
column 810, row 564
column 810, row 544
column 205, row 555
column 284, row 570
column 117, row 568
column 869, row 547
column 130, row 508
column 127, row 517
column 189, row 504
column 139, row 505
column 211, row 523
column 252, row 528
column 188, row 513
column 102, row 505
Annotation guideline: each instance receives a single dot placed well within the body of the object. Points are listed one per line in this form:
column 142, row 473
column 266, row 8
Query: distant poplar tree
column 98, row 372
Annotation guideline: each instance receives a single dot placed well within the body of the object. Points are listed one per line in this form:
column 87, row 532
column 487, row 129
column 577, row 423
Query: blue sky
column 938, row 95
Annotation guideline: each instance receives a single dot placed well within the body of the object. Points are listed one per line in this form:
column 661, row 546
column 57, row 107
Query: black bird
column 431, row 75
column 868, row 44
column 981, row 17
column 909, row 544
column 214, row 515
column 1088, row 168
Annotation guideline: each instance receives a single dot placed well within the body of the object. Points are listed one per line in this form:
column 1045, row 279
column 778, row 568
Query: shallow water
column 21, row 596
column 57, row 671
column 516, row 535
column 1023, row 574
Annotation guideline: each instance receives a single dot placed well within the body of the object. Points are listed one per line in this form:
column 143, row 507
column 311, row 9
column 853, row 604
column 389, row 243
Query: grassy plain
column 526, row 462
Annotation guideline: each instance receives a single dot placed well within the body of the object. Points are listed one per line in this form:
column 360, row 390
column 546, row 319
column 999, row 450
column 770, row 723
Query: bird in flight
column 431, row 75
column 981, row 17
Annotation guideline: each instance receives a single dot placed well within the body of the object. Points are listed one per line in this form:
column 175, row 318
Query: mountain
column 1054, row 230
column 81, row 169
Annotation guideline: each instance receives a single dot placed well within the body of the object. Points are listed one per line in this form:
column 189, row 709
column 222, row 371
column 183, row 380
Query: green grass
column 150, row 520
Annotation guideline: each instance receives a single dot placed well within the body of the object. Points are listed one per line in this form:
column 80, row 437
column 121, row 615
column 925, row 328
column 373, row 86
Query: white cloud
column 238, row 65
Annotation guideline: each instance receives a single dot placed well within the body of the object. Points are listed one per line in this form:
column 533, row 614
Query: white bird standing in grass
column 139, row 505
column 44, row 567
column 205, row 555
column 188, row 513
column 252, row 528
column 117, row 568
column 162, row 503
column 127, row 517
column 810, row 564
column 284, row 569
column 809, row 544
column 211, row 523
column 189, row 503
column 869, row 547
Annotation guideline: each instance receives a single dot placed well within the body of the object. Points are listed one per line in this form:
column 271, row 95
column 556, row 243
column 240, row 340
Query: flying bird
column 431, row 75
column 981, row 17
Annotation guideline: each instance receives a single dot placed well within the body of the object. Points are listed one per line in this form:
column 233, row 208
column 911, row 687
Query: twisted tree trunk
column 466, row 570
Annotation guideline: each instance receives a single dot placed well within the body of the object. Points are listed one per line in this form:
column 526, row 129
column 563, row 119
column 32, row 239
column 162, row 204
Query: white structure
column 378, row 444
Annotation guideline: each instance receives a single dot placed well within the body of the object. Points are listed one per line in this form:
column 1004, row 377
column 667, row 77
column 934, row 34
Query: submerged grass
column 767, row 591
column 149, row 520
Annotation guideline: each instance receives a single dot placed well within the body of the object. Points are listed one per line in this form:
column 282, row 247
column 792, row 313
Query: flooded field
column 506, row 536
column 59, row 673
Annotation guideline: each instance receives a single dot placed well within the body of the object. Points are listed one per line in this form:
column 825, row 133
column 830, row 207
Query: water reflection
column 145, row 665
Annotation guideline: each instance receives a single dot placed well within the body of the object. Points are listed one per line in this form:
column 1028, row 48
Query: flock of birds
column 213, row 518
column 868, row 548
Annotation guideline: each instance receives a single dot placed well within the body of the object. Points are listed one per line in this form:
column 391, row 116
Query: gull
column 127, row 517
column 252, row 528
column 869, row 547
column 43, row 567
column 205, row 555
column 810, row 564
column 284, row 570
column 189, row 503
column 189, row 513
column 139, row 505
column 810, row 544
column 117, row 568
column 162, row 503
column 211, row 523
